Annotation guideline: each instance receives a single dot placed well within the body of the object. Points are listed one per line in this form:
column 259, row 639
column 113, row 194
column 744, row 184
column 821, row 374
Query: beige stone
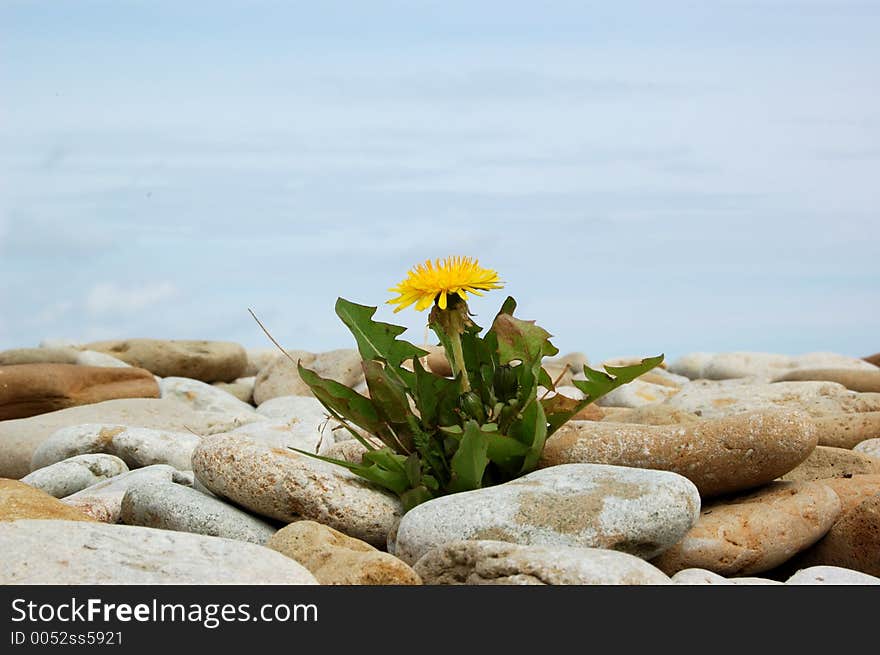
column 21, row 501
column 648, row 415
column 208, row 361
column 38, row 356
column 337, row 559
column 843, row 430
column 870, row 447
column 851, row 378
column 31, row 389
column 718, row 455
column 755, row 532
column 828, row 462
column 853, row 490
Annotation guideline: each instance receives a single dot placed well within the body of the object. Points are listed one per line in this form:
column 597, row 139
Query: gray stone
column 75, row 474
column 285, row 485
column 831, row 575
column 19, row 438
column 103, row 501
column 137, row 447
column 94, row 358
column 83, row 553
column 869, row 447
column 171, row 506
column 204, row 397
column 242, row 388
column 637, row 511
column 706, row 577
column 281, row 378
column 764, row 366
column 498, row 562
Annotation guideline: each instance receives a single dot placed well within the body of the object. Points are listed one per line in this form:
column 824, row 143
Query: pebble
column 285, row 485
column 853, row 490
column 204, row 397
column 94, row 358
column 855, row 379
column 21, row 437
column 637, row 393
column 170, row 506
column 831, row 575
column 487, row 562
column 22, row 501
column 208, row 361
column 281, row 378
column 755, row 532
column 648, row 415
column 869, row 447
column 826, row 462
column 75, row 474
column 731, row 365
column 103, row 501
column 711, row 399
column 718, row 455
column 704, row 577
column 257, row 358
column 337, row 559
column 637, row 511
column 874, row 359
column 69, row 553
column 136, row 447
column 59, row 355
column 242, row 388
column 847, row 430
column 32, row 389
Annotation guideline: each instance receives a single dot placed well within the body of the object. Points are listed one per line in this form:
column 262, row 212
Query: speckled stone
column 718, row 455
column 869, row 447
column 285, row 485
column 205, row 397
column 75, row 474
column 337, row 559
column 856, row 379
column 826, row 462
column 137, row 447
column 847, row 430
column 582, row 505
column 831, row 575
column 853, row 490
column 648, row 415
column 502, row 563
column 170, row 506
column 756, row 532
column 22, row 501
column 83, row 553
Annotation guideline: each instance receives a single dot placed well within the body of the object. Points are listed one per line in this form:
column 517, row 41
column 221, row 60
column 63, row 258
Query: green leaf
column 342, row 402
column 470, row 460
column 506, row 453
column 391, row 403
column 436, row 397
column 377, row 340
column 415, row 496
column 521, row 340
column 531, row 430
column 393, row 479
column 597, row 384
column 413, row 468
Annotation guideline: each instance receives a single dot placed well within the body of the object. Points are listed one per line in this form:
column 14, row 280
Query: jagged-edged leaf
column 521, row 340
column 470, row 460
column 394, row 479
column 415, row 496
column 436, row 397
column 597, row 384
column 531, row 430
column 391, row 402
column 506, row 453
column 376, row 340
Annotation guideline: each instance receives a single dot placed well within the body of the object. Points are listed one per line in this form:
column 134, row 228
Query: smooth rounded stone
column 75, row 474
column 731, row 365
column 286, row 485
column 852, row 378
column 564, row 368
column 713, row 399
column 637, row 393
column 718, row 455
column 171, row 506
column 831, row 575
column 242, row 388
column 704, row 577
column 351, row 450
column 60, row 355
column 853, row 490
column 136, row 447
column 755, row 532
column 204, row 397
column 847, row 430
column 208, row 361
column 337, row 559
column 869, row 447
column 873, row 360
column 22, row 501
column 826, row 462
column 305, row 419
column 68, row 553
column 648, row 415
column 257, row 358
column 630, row 510
column 31, row 389
column 20, row 438
column 94, row 358
column 103, row 501
column 281, row 378
column 853, row 542
column 487, row 562
column 302, row 436
column 437, row 362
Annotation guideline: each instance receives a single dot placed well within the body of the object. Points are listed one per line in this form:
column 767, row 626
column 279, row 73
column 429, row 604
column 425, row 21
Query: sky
column 646, row 177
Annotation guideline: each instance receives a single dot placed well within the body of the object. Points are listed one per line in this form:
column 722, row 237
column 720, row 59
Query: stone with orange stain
column 854, row 489
column 827, row 462
column 719, row 455
column 756, row 532
column 22, row 501
column 847, row 430
column 285, row 485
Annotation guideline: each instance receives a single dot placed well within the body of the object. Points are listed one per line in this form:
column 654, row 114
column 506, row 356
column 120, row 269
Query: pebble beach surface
column 146, row 461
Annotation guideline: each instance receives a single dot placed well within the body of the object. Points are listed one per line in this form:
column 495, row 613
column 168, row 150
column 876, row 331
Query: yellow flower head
column 436, row 280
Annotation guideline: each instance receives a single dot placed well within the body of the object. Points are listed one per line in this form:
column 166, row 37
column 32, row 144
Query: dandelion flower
column 436, row 281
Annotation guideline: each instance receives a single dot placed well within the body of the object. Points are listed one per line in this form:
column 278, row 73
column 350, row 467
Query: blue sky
column 646, row 177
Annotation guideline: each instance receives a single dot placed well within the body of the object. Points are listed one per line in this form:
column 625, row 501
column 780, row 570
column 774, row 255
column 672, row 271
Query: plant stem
column 458, row 361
